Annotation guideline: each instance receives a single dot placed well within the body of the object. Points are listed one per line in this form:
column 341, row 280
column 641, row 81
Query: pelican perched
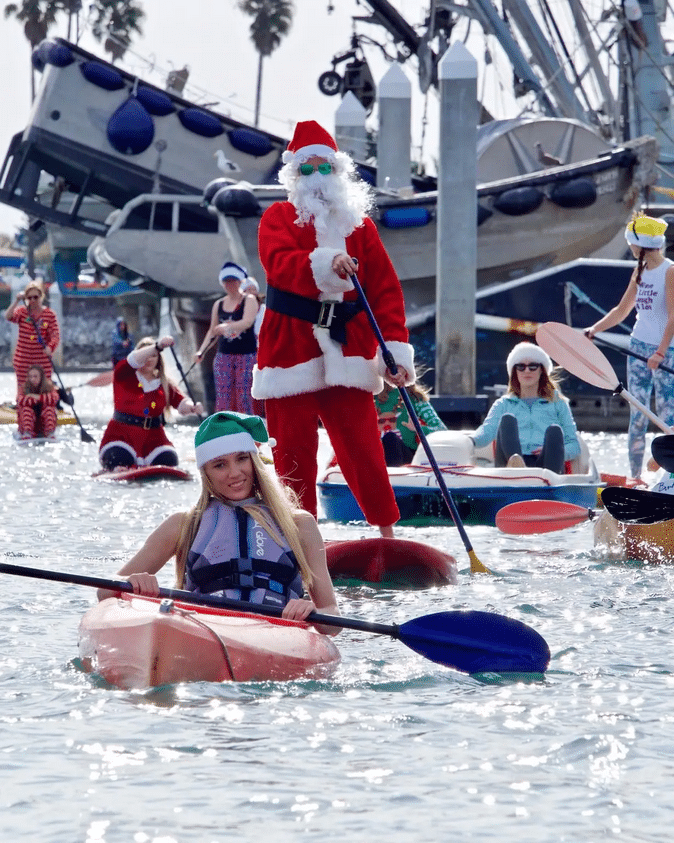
column 545, row 158
column 224, row 163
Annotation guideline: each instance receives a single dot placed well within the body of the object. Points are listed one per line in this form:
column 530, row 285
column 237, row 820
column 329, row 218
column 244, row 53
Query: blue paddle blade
column 477, row 642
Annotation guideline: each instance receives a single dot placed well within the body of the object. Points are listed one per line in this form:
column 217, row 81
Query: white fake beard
column 334, row 201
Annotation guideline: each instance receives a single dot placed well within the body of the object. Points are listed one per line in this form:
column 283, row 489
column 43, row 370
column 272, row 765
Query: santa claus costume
column 318, row 358
column 135, row 435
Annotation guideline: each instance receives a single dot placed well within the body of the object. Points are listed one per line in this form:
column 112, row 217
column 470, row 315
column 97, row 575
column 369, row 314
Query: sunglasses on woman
column 532, row 367
column 307, row 169
column 32, row 297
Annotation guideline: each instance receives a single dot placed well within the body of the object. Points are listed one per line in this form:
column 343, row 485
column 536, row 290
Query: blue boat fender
column 519, row 201
column 49, row 52
column 251, row 142
column 574, row 193
column 156, row 102
column 130, row 129
column 102, row 75
column 237, row 201
column 200, row 122
column 406, row 217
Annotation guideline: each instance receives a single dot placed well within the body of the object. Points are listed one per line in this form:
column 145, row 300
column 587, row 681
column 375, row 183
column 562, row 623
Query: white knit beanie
column 527, row 352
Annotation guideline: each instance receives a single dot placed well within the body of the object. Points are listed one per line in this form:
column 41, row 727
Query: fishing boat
column 478, row 488
column 550, row 187
column 142, row 642
column 393, row 563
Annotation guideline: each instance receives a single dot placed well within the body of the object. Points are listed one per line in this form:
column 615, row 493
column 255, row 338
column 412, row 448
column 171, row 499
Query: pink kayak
column 141, row 642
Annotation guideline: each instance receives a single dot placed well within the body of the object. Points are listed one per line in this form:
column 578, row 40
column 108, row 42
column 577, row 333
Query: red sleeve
column 285, row 249
column 175, row 396
column 379, row 281
column 50, row 399
column 20, row 313
column 51, row 334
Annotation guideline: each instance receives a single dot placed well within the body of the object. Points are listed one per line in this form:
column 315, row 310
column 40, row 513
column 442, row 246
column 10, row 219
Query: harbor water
column 392, row 748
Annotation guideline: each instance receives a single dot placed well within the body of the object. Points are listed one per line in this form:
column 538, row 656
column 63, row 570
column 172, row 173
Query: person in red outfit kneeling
column 318, row 358
column 141, row 392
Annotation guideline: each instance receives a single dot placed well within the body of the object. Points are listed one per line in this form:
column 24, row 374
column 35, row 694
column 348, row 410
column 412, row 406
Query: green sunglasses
column 308, row 169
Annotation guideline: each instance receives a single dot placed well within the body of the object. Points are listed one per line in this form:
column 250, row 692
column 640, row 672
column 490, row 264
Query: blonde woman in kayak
column 246, row 538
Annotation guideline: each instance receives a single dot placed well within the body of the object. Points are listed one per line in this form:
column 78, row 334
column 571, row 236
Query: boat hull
column 476, row 505
column 478, row 490
column 132, row 643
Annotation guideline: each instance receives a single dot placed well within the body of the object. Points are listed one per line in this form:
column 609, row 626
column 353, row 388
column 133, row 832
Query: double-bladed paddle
column 476, row 567
column 572, row 350
column 662, row 448
column 470, row 641
column 629, row 506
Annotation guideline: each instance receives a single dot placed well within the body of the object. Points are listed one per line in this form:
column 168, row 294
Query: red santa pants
column 350, row 419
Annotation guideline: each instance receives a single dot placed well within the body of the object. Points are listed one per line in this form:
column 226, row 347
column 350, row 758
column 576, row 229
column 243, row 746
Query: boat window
column 196, row 218
column 161, row 214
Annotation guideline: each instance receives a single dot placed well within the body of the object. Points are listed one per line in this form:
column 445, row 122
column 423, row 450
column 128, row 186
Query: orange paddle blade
column 536, row 516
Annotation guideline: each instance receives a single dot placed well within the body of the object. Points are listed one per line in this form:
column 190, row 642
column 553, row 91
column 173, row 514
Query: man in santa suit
column 318, row 358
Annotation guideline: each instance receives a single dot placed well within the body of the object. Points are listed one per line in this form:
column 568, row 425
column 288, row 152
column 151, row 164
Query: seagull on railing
column 545, row 158
column 224, row 163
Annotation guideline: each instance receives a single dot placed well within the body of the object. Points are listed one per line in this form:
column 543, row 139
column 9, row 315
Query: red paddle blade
column 527, row 517
column 573, row 351
column 104, row 379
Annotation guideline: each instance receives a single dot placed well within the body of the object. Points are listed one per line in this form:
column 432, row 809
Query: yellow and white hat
column 647, row 232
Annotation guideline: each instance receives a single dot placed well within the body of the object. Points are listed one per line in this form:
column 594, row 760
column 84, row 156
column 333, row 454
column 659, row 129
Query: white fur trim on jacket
column 333, row 369
column 327, row 281
column 403, row 354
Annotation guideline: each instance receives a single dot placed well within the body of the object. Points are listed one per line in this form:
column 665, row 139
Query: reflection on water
column 391, row 747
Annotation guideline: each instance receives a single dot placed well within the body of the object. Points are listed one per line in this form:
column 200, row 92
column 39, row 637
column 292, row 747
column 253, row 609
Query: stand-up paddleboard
column 8, row 415
column 145, row 472
column 395, row 562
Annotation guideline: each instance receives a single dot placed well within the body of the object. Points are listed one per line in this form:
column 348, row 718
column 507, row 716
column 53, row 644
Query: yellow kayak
column 8, row 415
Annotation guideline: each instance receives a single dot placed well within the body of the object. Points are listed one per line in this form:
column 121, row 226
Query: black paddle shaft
column 392, row 366
column 629, row 353
column 184, row 379
column 84, row 436
column 472, row 642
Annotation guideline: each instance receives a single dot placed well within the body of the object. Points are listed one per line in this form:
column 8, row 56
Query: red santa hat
column 310, row 139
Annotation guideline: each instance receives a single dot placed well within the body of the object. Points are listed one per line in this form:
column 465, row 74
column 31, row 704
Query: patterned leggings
column 233, row 375
column 36, row 421
column 640, row 382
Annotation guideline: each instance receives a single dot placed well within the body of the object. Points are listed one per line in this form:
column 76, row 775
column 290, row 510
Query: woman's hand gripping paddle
column 572, row 350
column 471, row 641
column 476, row 567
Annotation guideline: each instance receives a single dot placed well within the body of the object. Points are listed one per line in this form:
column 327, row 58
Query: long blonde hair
column 161, row 371
column 279, row 499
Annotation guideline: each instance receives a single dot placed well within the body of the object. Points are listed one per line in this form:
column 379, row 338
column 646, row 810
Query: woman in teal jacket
column 532, row 423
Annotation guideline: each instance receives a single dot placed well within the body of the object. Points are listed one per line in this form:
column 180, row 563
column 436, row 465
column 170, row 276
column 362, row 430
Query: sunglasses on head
column 532, row 367
column 307, row 169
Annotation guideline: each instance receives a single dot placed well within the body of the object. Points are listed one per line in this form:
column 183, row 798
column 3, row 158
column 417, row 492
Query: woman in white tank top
column 651, row 292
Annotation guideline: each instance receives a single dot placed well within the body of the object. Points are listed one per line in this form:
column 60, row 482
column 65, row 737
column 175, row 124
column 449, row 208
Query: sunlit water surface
column 392, row 748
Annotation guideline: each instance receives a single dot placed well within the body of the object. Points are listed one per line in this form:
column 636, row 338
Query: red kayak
column 395, row 562
column 145, row 472
column 141, row 642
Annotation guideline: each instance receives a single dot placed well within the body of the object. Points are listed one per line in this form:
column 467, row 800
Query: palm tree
column 37, row 16
column 116, row 20
column 272, row 20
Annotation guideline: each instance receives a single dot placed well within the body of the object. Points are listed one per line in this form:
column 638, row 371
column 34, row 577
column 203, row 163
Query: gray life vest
column 233, row 556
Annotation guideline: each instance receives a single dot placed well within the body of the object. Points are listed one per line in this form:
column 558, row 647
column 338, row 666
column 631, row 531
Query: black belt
column 332, row 315
column 146, row 422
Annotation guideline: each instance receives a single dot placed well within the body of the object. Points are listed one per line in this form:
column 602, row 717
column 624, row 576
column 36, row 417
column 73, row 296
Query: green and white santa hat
column 228, row 433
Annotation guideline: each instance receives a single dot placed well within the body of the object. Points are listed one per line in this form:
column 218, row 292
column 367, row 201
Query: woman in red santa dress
column 318, row 358
column 135, row 435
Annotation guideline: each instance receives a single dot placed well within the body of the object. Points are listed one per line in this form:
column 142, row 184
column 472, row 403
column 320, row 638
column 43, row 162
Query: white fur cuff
column 327, row 281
